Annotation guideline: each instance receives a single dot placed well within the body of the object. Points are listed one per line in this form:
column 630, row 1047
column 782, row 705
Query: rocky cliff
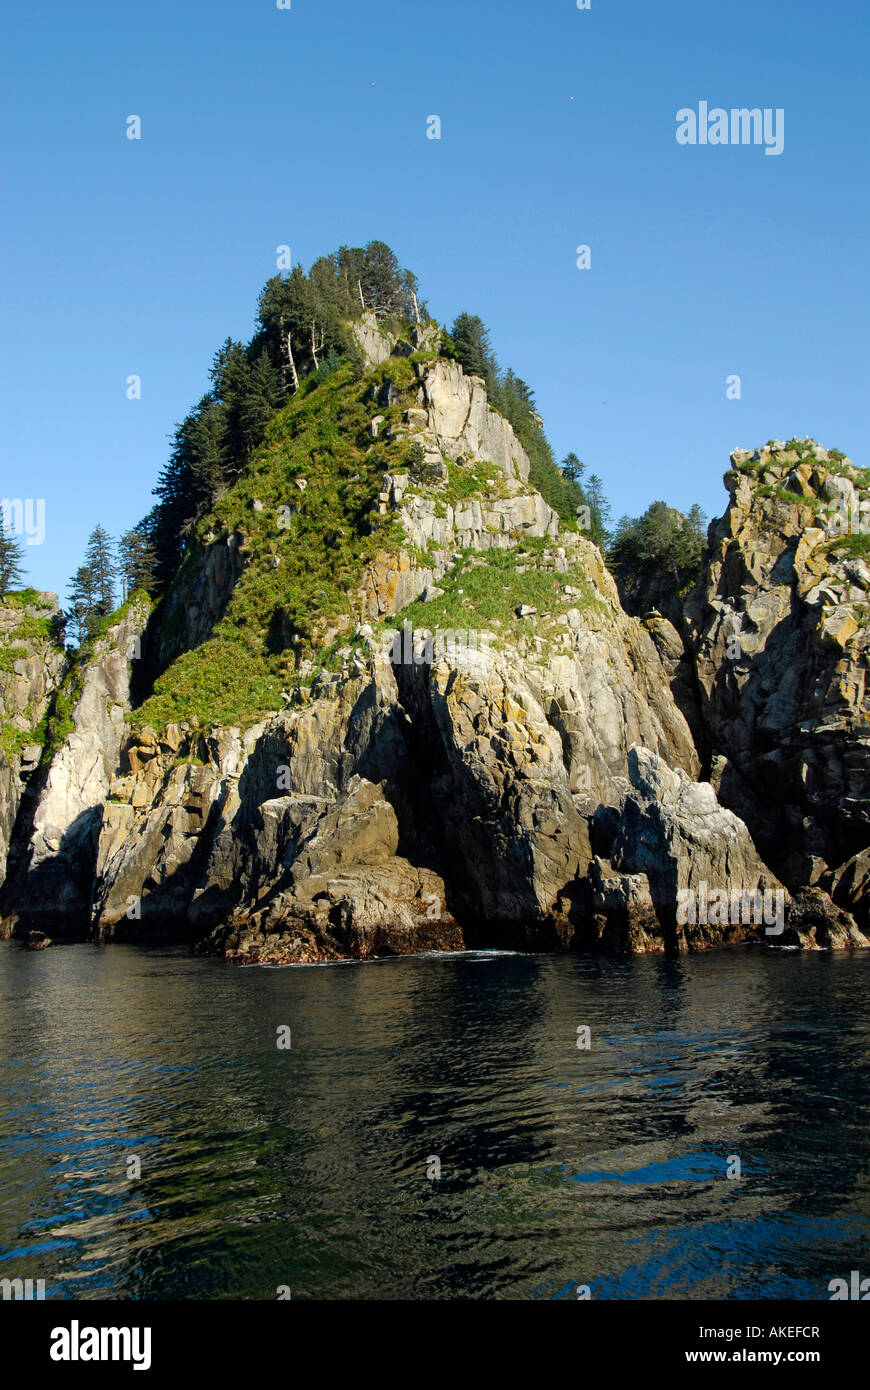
column 52, row 865
column 393, row 703
column 32, row 663
column 779, row 639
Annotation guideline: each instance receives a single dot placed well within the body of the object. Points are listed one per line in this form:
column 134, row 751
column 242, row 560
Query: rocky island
column 391, row 699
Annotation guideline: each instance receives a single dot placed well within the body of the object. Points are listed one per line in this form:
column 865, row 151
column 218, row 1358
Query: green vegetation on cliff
column 513, row 398
column 303, row 516
column 11, row 560
column 657, row 557
column 278, row 462
column 484, row 591
column 304, row 510
column 304, row 330
column 32, row 628
column 58, row 723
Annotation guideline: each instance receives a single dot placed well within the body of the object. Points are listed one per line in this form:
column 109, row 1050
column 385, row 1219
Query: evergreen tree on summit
column 374, row 281
column 11, row 562
column 92, row 587
column 471, row 341
column 82, row 603
column 102, row 564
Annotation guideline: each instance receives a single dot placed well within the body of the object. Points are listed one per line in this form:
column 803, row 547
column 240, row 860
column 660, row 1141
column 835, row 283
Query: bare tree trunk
column 286, row 357
column 283, row 354
column 359, row 287
column 314, row 347
column 416, row 309
column 292, row 364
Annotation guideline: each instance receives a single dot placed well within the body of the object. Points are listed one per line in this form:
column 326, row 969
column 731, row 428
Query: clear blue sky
column 307, row 126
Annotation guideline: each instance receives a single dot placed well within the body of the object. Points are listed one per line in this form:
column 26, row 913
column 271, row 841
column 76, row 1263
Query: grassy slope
column 483, row 591
column 307, row 604
column 323, row 438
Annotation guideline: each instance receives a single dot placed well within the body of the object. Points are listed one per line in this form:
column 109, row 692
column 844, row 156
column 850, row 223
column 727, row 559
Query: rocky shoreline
column 567, row 779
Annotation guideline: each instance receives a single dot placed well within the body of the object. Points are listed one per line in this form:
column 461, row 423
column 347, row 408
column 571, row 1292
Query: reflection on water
column 307, row 1167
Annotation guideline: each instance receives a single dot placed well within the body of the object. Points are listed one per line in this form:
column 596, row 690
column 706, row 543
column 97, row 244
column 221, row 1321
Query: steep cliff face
column 32, row 663
column 440, row 784
column 778, row 632
column 52, row 884
column 454, row 444
column 199, row 598
column 487, row 765
column 399, row 707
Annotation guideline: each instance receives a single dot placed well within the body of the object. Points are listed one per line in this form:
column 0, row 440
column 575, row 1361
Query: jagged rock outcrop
column 849, row 887
column 53, row 881
column 672, row 844
column 196, row 603
column 452, row 424
column 534, row 779
column 424, row 794
column 374, row 342
column 679, row 667
column 414, row 806
column 815, row 922
column 457, row 417
column 346, row 892
column 32, row 663
column 778, row 633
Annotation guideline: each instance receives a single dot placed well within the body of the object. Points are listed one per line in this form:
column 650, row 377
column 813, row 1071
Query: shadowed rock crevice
column 778, row 628
column 56, row 844
column 541, row 784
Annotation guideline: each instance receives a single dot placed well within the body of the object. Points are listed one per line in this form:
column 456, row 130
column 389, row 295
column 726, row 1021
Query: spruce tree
column 258, row 405
column 175, row 512
column 232, row 384
column 205, row 436
column 383, row 280
column 471, row 342
column 81, row 614
column 573, row 468
column 599, row 508
column 11, row 563
column 136, row 558
column 662, row 539
column 101, row 562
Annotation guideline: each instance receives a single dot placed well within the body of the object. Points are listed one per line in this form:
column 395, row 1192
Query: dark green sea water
column 307, row 1168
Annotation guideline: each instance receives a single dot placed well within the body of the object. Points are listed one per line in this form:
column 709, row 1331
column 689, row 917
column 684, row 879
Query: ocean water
column 155, row 1142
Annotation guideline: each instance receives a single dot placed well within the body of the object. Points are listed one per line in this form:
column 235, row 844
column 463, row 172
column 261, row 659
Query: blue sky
column 307, row 126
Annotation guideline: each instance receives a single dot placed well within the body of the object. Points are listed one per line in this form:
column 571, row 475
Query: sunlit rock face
column 779, row 637
column 558, row 776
